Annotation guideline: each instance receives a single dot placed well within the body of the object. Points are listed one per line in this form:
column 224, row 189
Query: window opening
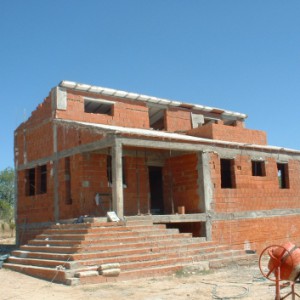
column 43, row 179
column 109, row 170
column 30, row 181
column 258, row 168
column 98, row 106
column 283, row 176
column 227, row 173
column 68, row 199
column 157, row 118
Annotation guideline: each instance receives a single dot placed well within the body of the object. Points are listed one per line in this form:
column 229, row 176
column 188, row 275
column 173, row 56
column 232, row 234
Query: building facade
column 87, row 150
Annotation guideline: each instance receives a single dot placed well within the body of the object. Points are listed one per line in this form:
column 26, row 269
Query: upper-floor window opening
column 157, row 117
column 227, row 173
column 229, row 122
column 258, row 168
column 283, row 175
column 208, row 120
column 98, row 106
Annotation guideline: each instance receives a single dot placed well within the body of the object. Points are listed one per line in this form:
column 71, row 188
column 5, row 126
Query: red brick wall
column 70, row 136
column 125, row 113
column 137, row 190
column 259, row 232
column 38, row 136
column 255, row 192
column 41, row 113
column 91, row 169
column 184, row 185
column 178, row 120
column 230, row 133
column 36, row 208
column 39, row 142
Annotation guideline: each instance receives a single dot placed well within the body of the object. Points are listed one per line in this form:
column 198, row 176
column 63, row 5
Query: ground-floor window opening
column 42, row 179
column 68, row 198
column 258, row 168
column 30, row 182
column 156, row 190
column 227, row 173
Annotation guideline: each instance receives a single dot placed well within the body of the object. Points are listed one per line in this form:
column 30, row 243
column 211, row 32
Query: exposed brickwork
column 178, row 120
column 257, row 233
column 122, row 109
column 73, row 178
column 180, row 183
column 230, row 133
column 255, row 192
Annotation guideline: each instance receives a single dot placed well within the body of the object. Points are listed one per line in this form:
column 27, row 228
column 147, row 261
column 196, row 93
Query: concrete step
column 88, row 225
column 128, row 275
column 51, row 249
column 100, row 245
column 94, row 233
column 53, row 275
column 42, row 255
column 57, row 240
column 142, row 249
column 98, row 230
column 42, row 262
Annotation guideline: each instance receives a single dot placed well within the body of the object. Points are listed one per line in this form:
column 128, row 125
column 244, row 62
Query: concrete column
column 55, row 175
column 205, row 190
column 117, row 180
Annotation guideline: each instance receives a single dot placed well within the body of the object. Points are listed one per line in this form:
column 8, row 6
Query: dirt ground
column 243, row 282
column 235, row 282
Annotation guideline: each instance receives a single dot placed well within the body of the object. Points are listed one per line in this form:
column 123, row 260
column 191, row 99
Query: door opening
column 156, row 190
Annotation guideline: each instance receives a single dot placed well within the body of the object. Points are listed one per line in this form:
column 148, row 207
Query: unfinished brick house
column 87, row 150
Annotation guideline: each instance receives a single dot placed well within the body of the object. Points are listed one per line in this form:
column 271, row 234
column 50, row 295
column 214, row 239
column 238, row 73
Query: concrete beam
column 224, row 150
column 179, row 218
column 101, row 144
column 256, row 214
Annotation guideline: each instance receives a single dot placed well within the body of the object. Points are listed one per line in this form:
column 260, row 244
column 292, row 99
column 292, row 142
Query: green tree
column 7, row 194
column 7, row 177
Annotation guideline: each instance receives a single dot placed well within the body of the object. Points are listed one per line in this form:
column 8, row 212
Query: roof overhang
column 171, row 137
column 149, row 99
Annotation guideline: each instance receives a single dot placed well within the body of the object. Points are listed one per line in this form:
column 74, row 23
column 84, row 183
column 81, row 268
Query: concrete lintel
column 210, row 216
column 254, row 214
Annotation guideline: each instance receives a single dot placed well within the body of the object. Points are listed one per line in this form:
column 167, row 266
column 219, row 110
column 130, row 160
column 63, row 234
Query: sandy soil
column 232, row 283
column 235, row 282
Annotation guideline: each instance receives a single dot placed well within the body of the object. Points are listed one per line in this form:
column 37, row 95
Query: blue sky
column 238, row 55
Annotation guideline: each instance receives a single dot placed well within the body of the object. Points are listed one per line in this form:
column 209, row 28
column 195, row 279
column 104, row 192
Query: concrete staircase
column 72, row 253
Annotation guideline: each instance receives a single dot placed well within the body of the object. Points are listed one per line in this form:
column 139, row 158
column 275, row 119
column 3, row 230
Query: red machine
column 283, row 264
